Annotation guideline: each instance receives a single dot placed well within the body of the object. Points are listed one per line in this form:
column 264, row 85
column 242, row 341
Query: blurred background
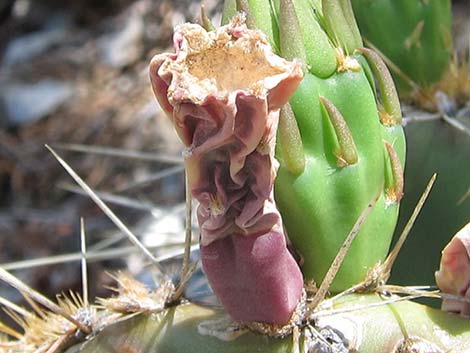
column 73, row 74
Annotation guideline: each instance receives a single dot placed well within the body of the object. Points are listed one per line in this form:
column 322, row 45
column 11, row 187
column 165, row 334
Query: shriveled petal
column 454, row 274
column 223, row 90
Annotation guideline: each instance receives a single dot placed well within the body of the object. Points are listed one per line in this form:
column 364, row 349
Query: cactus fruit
column 223, row 90
column 413, row 35
column 348, row 150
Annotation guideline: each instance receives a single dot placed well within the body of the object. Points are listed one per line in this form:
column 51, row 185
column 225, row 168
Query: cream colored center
column 230, row 67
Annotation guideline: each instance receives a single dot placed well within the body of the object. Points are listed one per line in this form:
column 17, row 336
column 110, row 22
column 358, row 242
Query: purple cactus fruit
column 454, row 273
column 223, row 90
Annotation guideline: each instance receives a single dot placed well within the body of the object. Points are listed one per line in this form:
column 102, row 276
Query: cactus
column 374, row 330
column 414, row 35
column 340, row 151
column 343, row 154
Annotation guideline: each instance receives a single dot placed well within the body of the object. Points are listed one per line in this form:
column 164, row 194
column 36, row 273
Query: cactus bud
column 454, row 273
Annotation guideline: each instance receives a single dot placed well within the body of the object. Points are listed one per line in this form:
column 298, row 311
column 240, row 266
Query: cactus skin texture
column 343, row 141
column 376, row 330
column 222, row 90
column 414, row 35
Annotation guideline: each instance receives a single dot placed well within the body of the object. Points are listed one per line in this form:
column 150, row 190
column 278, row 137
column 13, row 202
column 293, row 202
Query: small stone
column 28, row 46
column 123, row 46
column 27, row 103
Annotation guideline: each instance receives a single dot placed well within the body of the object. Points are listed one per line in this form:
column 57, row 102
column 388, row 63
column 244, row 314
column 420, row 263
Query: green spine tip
column 290, row 141
column 348, row 13
column 264, row 16
column 290, row 33
column 341, row 24
column 415, row 37
column 244, row 6
column 347, row 152
column 205, row 21
column 394, row 191
column 319, row 51
column 391, row 114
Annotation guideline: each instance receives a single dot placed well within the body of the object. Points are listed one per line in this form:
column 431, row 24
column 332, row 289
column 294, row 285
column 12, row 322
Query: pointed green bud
column 205, row 21
column 290, row 33
column 320, row 54
column 348, row 13
column 244, row 6
column 391, row 114
column 394, row 190
column 341, row 25
column 230, row 9
column 414, row 39
column 290, row 141
column 265, row 18
column 347, row 152
column 260, row 15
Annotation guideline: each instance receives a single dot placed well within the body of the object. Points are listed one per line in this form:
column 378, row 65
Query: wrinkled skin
column 223, row 91
column 454, row 274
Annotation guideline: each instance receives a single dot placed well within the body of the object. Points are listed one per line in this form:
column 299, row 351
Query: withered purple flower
column 223, row 91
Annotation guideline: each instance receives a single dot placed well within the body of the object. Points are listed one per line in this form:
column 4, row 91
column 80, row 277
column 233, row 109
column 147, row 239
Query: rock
column 30, row 45
column 166, row 226
column 123, row 46
column 26, row 103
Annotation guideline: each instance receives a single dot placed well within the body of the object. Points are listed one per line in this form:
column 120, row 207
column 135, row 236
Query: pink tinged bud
column 454, row 273
column 223, row 91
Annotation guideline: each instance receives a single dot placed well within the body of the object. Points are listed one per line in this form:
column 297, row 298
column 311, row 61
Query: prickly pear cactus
column 338, row 148
column 413, row 35
column 374, row 330
column 340, row 153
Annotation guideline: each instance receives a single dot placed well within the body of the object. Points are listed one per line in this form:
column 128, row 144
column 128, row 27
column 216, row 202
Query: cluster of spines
column 71, row 320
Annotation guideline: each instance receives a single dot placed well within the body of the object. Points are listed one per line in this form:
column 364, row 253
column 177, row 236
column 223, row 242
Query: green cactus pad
column 351, row 144
column 321, row 205
column 376, row 329
column 413, row 35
